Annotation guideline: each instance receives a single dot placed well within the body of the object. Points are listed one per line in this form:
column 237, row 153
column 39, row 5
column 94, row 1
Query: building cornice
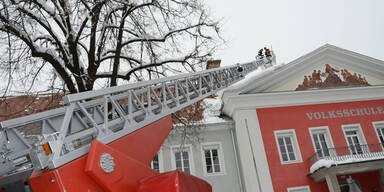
column 293, row 98
column 212, row 126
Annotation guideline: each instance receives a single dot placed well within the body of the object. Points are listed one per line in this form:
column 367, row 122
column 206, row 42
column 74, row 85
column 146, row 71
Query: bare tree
column 82, row 41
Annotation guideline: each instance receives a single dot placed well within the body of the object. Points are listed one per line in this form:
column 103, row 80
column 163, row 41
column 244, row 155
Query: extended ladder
column 106, row 115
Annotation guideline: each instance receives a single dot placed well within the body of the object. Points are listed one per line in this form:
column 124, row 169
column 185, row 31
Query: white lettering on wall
column 345, row 113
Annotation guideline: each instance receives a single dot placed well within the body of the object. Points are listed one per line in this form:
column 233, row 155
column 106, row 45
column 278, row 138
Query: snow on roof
column 347, row 159
column 212, row 106
column 252, row 76
column 212, row 110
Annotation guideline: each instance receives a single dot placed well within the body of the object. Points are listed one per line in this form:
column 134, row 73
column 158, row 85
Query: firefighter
column 260, row 54
column 267, row 52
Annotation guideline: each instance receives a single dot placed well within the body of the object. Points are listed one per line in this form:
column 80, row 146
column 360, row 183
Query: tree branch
column 162, row 39
column 52, row 14
column 49, row 30
column 20, row 33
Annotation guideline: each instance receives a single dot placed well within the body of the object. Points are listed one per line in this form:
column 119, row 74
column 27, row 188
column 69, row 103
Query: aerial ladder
column 104, row 140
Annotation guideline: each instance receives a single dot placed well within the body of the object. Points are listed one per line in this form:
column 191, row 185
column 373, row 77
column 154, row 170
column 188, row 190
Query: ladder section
column 106, row 115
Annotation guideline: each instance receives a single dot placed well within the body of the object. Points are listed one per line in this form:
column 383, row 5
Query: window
column 182, row 161
column 379, row 126
column 299, row 189
column 321, row 140
column 355, row 139
column 157, row 162
column 213, row 160
column 287, row 146
column 182, row 158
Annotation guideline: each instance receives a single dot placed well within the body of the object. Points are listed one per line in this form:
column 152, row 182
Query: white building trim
column 360, row 135
column 379, row 125
column 292, row 134
column 346, row 127
column 253, row 160
column 321, row 129
column 321, row 96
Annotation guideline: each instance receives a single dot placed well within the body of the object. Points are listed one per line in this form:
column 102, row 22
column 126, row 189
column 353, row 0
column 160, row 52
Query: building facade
column 315, row 124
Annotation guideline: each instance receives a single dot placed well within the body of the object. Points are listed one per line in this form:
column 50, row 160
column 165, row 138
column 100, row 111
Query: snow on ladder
column 106, row 114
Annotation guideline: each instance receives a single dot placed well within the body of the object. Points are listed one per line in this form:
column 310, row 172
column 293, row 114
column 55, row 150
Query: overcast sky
column 296, row 27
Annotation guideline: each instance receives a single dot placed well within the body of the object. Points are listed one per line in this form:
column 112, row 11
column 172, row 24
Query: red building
column 314, row 124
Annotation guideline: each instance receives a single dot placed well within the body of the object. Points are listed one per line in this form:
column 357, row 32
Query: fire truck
column 104, row 140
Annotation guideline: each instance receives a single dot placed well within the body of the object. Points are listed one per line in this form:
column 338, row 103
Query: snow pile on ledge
column 212, row 110
column 322, row 163
column 351, row 159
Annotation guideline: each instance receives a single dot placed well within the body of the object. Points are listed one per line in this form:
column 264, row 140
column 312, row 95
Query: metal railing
column 355, row 152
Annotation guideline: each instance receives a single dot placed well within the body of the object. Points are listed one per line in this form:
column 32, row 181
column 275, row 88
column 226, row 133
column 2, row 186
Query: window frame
column 305, row 187
column 374, row 125
column 212, row 145
column 360, row 133
column 161, row 164
column 322, row 129
column 295, row 145
column 176, row 148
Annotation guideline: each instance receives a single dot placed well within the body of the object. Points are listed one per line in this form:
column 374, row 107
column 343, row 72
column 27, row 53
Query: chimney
column 213, row 64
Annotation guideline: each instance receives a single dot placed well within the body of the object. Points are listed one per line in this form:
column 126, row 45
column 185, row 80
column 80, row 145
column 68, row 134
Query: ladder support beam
column 111, row 113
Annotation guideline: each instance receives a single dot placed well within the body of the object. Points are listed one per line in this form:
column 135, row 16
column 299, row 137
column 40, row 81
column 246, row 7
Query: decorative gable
column 348, row 69
column 349, row 76
column 332, row 77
